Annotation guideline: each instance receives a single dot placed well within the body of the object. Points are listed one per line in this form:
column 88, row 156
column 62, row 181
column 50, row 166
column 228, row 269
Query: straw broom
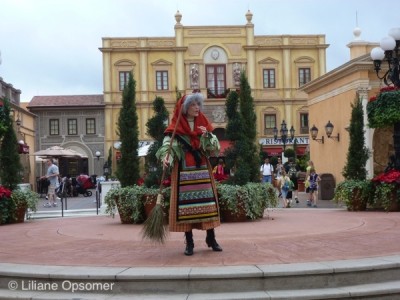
column 154, row 228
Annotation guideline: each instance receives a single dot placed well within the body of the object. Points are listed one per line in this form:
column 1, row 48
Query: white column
column 368, row 132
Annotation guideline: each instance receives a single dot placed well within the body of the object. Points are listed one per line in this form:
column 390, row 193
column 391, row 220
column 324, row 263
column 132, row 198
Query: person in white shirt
column 266, row 171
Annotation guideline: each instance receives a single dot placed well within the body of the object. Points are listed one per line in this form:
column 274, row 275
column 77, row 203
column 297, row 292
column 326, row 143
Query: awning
column 271, row 151
column 301, row 150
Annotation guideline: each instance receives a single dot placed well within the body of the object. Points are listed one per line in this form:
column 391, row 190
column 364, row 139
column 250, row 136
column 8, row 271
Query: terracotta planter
column 126, row 215
column 395, row 206
column 301, row 186
column 228, row 216
column 20, row 214
column 149, row 202
column 357, row 203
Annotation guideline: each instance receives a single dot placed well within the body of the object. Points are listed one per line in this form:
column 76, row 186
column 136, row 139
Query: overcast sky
column 50, row 47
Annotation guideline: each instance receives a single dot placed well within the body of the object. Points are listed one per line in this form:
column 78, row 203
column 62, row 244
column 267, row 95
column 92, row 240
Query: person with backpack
column 286, row 185
column 292, row 170
column 266, row 170
column 313, row 179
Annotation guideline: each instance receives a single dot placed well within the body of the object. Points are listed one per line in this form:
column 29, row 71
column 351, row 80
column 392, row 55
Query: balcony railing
column 217, row 93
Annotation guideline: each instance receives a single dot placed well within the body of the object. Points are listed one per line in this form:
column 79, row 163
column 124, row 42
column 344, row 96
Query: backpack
column 292, row 173
column 288, row 185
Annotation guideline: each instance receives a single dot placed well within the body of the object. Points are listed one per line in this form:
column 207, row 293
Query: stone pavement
column 284, row 235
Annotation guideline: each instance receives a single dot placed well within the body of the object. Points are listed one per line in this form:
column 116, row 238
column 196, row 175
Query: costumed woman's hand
column 166, row 162
column 203, row 129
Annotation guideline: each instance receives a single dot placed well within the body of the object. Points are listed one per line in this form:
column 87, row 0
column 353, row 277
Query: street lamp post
column 106, row 170
column 284, row 134
column 389, row 51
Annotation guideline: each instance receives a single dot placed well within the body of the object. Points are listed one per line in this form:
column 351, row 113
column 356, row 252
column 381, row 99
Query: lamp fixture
column 389, row 51
column 329, row 129
column 314, row 134
column 98, row 154
column 18, row 122
column 106, row 170
column 284, row 133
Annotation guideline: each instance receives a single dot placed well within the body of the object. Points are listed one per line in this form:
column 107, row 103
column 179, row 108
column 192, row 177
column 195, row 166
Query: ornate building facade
column 210, row 59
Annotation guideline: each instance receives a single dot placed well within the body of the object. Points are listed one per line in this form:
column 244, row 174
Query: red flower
column 4, row 192
column 166, row 182
column 393, row 176
column 140, row 181
column 373, row 98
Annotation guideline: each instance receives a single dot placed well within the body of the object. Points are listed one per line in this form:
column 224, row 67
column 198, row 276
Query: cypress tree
column 10, row 164
column 358, row 153
column 128, row 131
column 241, row 130
column 155, row 128
column 250, row 146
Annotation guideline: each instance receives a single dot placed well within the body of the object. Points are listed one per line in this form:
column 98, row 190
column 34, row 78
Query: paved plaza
column 284, row 235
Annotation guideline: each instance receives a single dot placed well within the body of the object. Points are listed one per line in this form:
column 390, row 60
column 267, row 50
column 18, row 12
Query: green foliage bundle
column 10, row 164
column 128, row 131
column 358, row 153
column 155, row 128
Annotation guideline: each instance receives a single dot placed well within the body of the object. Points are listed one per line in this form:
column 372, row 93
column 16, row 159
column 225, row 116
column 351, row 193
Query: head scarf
column 183, row 127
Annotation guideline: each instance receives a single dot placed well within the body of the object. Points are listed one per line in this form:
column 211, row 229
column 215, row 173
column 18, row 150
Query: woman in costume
column 194, row 200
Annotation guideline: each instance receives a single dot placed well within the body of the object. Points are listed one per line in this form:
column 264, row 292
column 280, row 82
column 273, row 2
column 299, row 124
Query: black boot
column 211, row 242
column 189, row 243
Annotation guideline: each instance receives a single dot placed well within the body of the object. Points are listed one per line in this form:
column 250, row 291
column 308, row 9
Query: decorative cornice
column 355, row 65
column 355, row 85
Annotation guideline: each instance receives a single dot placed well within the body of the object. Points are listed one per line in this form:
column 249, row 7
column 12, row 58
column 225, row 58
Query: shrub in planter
column 24, row 199
column 131, row 202
column 355, row 194
column 128, row 202
column 249, row 200
column 386, row 191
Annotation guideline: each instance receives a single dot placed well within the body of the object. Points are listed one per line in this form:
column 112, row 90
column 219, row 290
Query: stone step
column 381, row 291
column 370, row 278
column 58, row 213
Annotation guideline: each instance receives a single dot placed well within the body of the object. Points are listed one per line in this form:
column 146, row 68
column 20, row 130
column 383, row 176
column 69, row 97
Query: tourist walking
column 286, row 186
column 313, row 179
column 266, row 171
column 279, row 169
column 52, row 176
column 292, row 170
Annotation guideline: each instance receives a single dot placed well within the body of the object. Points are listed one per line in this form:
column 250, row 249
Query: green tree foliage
column 10, row 164
column 155, row 128
column 358, row 153
column 243, row 156
column 128, row 131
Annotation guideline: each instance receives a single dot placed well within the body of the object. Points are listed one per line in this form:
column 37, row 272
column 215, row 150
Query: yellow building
column 210, row 59
column 24, row 124
column 330, row 99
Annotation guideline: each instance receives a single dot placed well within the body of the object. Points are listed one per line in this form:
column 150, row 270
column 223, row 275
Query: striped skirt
column 194, row 200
